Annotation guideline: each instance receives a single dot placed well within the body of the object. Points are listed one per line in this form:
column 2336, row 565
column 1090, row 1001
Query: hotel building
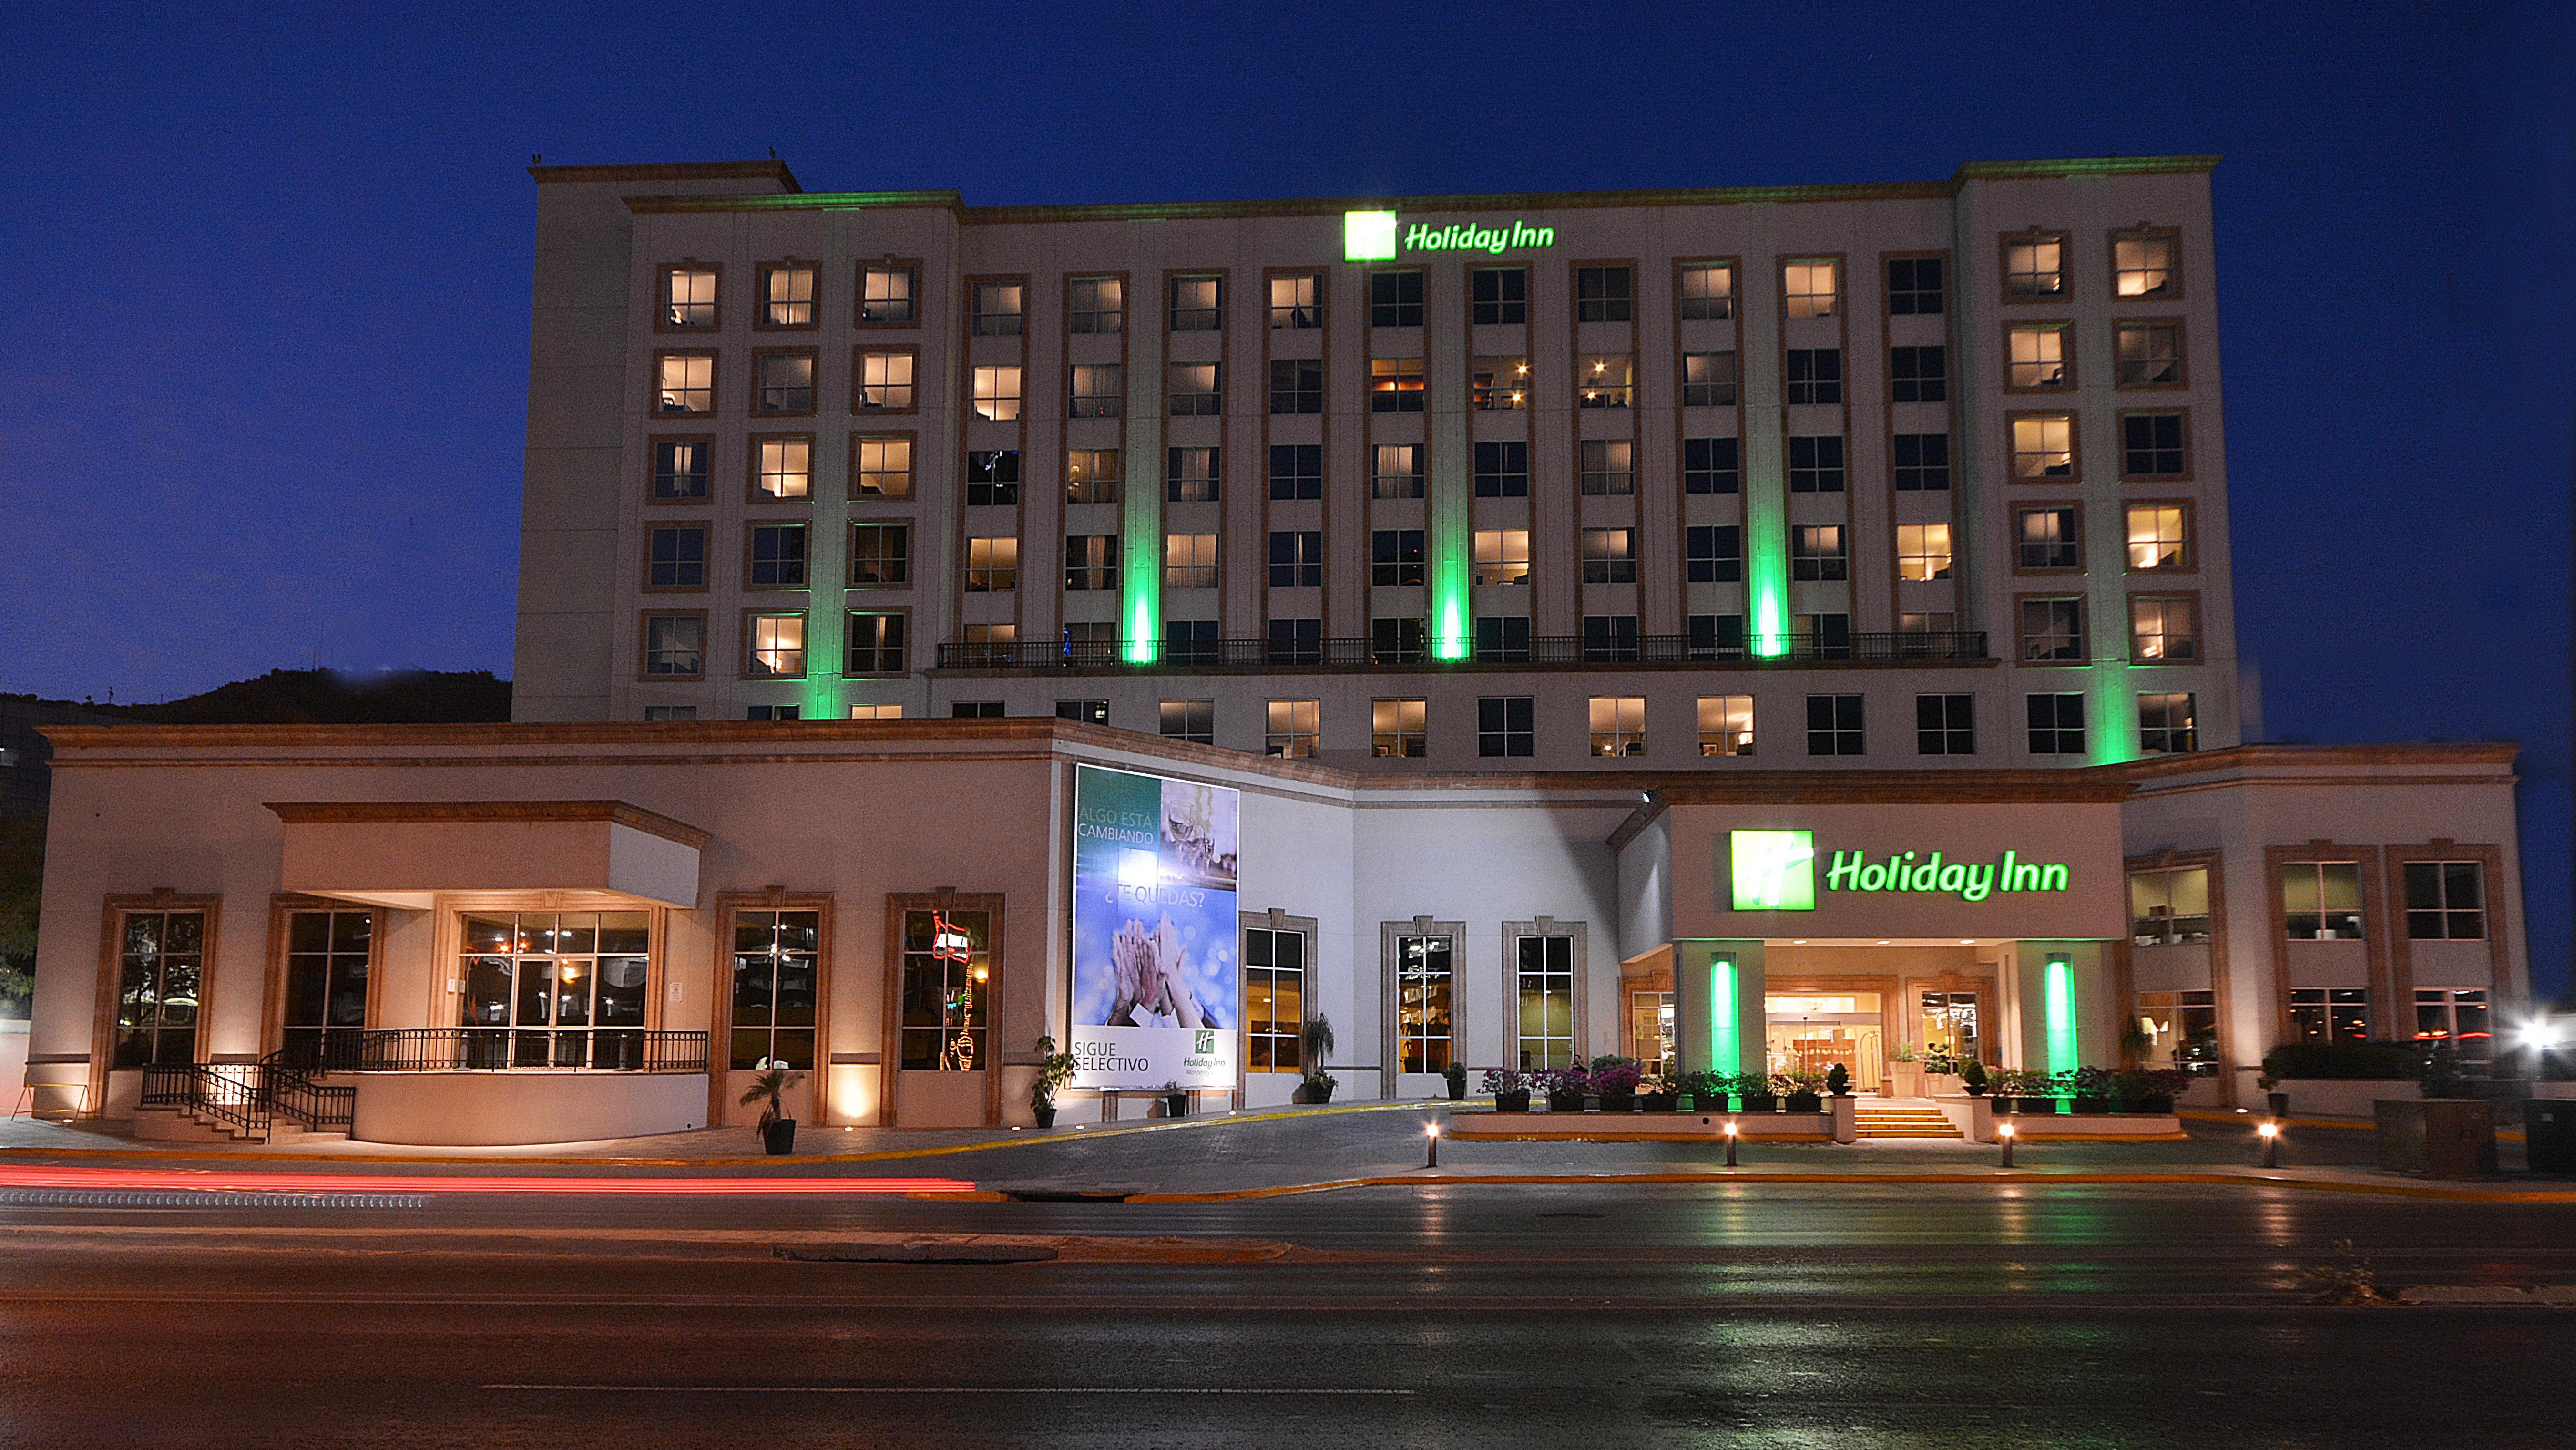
column 1522, row 565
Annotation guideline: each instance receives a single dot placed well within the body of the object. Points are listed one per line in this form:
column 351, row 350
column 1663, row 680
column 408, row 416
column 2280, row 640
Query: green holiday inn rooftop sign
column 1373, row 236
column 1776, row 871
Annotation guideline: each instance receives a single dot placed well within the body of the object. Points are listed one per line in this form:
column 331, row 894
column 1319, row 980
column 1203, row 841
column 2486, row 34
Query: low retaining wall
column 2072, row 1127
column 1484, row 1124
column 507, row 1109
column 2341, row 1097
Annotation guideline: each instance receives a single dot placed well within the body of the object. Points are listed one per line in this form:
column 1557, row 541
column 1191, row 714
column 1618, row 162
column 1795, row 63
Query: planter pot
column 1565, row 1102
column 1658, row 1103
column 1974, row 1092
column 2155, row 1103
column 1512, row 1102
column 779, row 1137
column 1176, row 1105
column 1686, row 1103
column 2279, row 1103
column 2092, row 1106
column 1046, row 1115
column 1457, row 1089
column 1806, row 1103
column 1761, row 1103
column 1312, row 1092
column 1618, row 1102
column 2035, row 1107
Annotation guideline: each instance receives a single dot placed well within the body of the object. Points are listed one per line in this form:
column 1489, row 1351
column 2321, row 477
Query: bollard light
column 2004, row 1136
column 2271, row 1133
column 1730, row 1142
column 1431, row 1135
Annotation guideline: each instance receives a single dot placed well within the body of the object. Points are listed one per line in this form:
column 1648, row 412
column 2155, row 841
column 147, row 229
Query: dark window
column 1296, row 641
column 1502, row 470
column 773, row 712
column 1190, row 641
column 327, row 955
column 2057, row 724
column 975, row 710
column 1816, row 464
column 777, row 556
column 2044, row 538
column 2151, row 446
column 680, row 468
column 1834, row 725
column 1603, row 294
column 1609, row 637
column 1296, row 559
column 1713, row 554
column 1500, row 294
column 1714, row 636
column 1709, row 465
column 2052, row 630
column 1818, row 552
column 1395, row 556
column 993, row 477
column 1395, row 299
column 1815, row 375
column 1708, row 380
column 1503, row 639
column 1396, row 641
column 1193, row 475
column 2168, row 724
column 1918, row 374
column 1504, row 724
column 876, row 644
column 676, row 557
column 880, row 554
column 947, row 960
column 1945, row 724
column 1296, row 385
column 1090, row 712
column 1922, row 462
column 2445, row 900
column 1914, row 285
column 1296, row 470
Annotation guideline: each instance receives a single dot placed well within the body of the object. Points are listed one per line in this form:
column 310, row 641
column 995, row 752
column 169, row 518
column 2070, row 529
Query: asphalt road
column 1789, row 1315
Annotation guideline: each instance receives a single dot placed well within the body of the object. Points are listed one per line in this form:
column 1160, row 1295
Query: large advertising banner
column 1154, row 979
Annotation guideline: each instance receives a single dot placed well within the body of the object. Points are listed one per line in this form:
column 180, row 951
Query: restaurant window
column 2446, row 901
column 1296, row 303
column 2330, row 1014
column 1397, row 729
column 2459, row 1018
column 1274, row 1000
column 777, row 975
column 1096, row 304
column 996, row 309
column 1498, row 296
column 1423, row 980
column 947, row 970
column 161, row 960
column 1726, row 724
column 2321, row 900
column 2166, row 907
column 1950, row 1020
column 554, row 989
column 2182, row 1028
column 886, row 294
column 1546, row 971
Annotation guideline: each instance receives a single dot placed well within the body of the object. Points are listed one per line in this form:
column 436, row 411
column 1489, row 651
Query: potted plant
column 1972, row 1078
column 769, row 1084
column 1615, row 1080
column 1563, row 1086
column 1758, row 1093
column 1906, row 1076
column 1510, row 1087
column 1055, row 1069
column 1456, row 1073
column 1802, row 1091
column 1176, row 1100
column 2277, row 1100
column 1658, row 1095
column 2091, row 1089
column 1317, row 1039
column 1838, row 1080
column 1703, row 1092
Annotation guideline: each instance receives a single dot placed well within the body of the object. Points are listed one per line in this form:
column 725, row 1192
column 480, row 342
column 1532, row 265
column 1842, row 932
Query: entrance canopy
column 404, row 853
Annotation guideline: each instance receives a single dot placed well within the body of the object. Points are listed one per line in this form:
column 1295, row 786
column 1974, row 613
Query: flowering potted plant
column 1564, row 1087
column 1456, row 1073
column 769, row 1085
column 1758, row 1092
column 1802, row 1089
column 1055, row 1069
column 1615, row 1079
column 2090, row 1087
column 1658, row 1095
column 1510, row 1087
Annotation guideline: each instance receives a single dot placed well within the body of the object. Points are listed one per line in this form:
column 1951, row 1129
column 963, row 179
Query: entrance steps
column 1875, row 1120
column 180, row 1125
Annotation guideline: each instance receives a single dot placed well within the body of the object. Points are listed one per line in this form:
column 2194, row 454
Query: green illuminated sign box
column 1776, row 871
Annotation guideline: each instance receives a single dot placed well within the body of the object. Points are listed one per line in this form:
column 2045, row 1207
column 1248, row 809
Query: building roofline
column 410, row 813
column 1469, row 202
column 773, row 170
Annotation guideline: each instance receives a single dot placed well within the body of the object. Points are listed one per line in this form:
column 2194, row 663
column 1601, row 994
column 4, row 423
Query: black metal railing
column 455, row 1049
column 1549, row 650
column 250, row 1096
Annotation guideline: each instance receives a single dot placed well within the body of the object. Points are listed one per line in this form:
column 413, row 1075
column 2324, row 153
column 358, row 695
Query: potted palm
column 1317, row 1040
column 1055, row 1069
column 1456, row 1073
column 769, row 1084
column 1510, row 1087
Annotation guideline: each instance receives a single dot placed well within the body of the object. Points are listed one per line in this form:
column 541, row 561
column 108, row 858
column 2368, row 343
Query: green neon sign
column 2059, row 988
column 1725, row 1039
column 1371, row 236
column 1773, row 870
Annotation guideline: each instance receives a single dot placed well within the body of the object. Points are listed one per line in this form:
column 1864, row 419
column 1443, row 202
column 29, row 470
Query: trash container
column 2549, row 1134
column 2437, row 1137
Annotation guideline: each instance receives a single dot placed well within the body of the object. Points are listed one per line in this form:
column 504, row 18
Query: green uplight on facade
column 1140, row 643
column 1766, row 542
column 1453, row 610
column 2059, row 990
column 1725, row 1032
column 2112, row 715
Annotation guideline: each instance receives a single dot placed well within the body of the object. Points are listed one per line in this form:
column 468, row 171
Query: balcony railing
column 455, row 1049
column 1546, row 650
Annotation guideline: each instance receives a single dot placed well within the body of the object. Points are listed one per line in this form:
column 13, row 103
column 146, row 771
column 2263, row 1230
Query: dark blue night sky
column 266, row 389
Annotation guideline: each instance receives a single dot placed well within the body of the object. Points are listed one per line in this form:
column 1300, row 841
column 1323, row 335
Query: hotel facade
column 1751, row 628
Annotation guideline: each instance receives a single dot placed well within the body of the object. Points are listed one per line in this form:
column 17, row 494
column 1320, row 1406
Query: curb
column 1988, row 1178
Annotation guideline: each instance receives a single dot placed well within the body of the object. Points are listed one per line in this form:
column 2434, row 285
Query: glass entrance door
column 1950, row 1021
column 1808, row 1035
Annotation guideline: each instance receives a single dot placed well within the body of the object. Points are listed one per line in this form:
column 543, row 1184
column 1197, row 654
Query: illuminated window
column 675, row 556
column 947, row 974
column 2148, row 354
column 1193, row 720
column 685, row 384
column 1502, row 556
column 1811, row 288
column 1099, row 390
column 1296, row 470
column 2330, row 1014
column 787, row 294
column 2163, row 630
column 2159, row 537
column 1095, row 304
column 1918, row 374
column 2321, row 900
column 777, row 557
column 2151, row 446
column 2044, row 446
column 1395, row 385
column 886, row 380
column 993, row 478
column 1544, row 978
column 1605, row 380
column 1501, row 383
column 1296, row 385
column 1713, row 554
column 2045, row 538
column 876, row 712
column 1397, row 729
column 1708, row 380
column 1422, row 993
column 992, row 644
column 880, row 555
column 1618, row 724
column 1395, row 299
column 1196, row 304
column 1922, row 551
column 2036, row 356
column 1816, row 464
column 1396, row 471
column 1604, row 294
column 1189, row 561
column 1498, row 296
column 777, row 646
column 1707, row 292
column 675, row 646
column 996, row 309
column 1297, row 559
column 886, row 294
column 881, row 467
column 997, row 393
column 1711, row 465
column 1608, row 466
column 2052, row 630
column 1292, row 729
column 1274, row 1000
column 1818, row 552
column 2446, row 901
column 992, row 564
column 1296, row 303
column 584, row 975
column 1914, row 286
column 1921, row 462
column 1609, row 556
column 681, row 468
column 2167, row 907
column 1193, row 391
column 2168, row 724
column 688, row 297
column 777, row 974
column 1945, row 724
column 1192, row 475
column 1726, row 724
column 2142, row 265
column 1835, row 725
column 1814, row 375
column 1091, row 475
column 783, row 468
column 1395, row 557
column 1090, row 561
column 2035, row 267
column 161, row 961
column 1502, row 470
column 2056, row 724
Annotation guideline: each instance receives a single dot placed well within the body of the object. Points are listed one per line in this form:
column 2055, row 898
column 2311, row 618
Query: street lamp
column 2004, row 1136
column 1730, row 1142
column 2271, row 1134
column 1431, row 1135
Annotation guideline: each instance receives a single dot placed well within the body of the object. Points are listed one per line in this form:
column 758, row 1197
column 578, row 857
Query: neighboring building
column 1753, row 629
column 25, row 782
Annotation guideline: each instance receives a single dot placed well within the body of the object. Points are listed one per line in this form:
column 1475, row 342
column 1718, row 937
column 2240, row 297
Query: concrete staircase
column 179, row 1125
column 1901, row 1120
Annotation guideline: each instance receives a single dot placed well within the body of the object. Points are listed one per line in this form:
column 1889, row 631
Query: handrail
column 228, row 1093
column 1549, row 650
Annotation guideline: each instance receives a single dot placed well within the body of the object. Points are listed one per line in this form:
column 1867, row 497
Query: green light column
column 2058, row 988
column 2110, row 714
column 1717, row 1005
column 1450, row 520
column 1766, row 508
column 1140, row 494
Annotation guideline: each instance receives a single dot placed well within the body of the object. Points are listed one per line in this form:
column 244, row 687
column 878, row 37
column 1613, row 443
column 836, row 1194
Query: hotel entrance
column 1888, row 1011
column 1805, row 1035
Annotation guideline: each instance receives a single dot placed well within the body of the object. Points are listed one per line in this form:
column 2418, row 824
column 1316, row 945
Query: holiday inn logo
column 1776, row 871
column 1371, row 236
column 1773, row 870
